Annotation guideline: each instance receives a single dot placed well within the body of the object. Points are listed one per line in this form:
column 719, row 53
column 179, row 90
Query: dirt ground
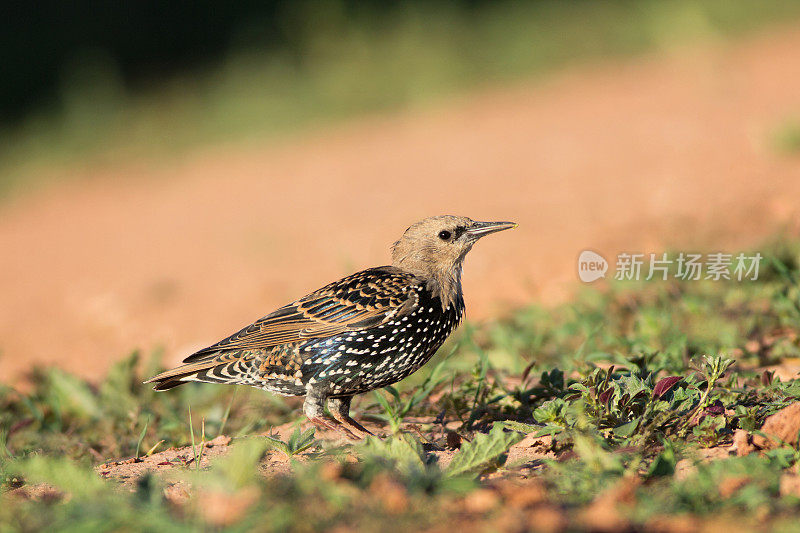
column 516, row 485
column 525, row 456
column 672, row 150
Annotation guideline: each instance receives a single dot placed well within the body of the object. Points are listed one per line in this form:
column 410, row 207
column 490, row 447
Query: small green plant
column 485, row 451
column 713, row 367
column 197, row 452
column 395, row 410
column 296, row 443
column 401, row 451
column 406, row 458
column 141, row 438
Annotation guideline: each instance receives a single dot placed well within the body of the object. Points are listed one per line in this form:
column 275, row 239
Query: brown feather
column 335, row 308
column 353, row 303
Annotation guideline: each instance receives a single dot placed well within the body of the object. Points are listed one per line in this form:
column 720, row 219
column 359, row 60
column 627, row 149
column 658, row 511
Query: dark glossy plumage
column 363, row 332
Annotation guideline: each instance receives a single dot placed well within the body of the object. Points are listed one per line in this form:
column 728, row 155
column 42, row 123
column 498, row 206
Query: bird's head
column 434, row 248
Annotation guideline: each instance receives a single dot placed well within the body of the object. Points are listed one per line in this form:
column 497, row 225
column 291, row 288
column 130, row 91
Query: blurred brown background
column 167, row 205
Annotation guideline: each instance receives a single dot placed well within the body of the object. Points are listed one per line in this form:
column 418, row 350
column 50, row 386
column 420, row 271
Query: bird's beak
column 479, row 229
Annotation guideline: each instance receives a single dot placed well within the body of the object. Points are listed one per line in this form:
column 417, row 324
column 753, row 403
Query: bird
column 364, row 332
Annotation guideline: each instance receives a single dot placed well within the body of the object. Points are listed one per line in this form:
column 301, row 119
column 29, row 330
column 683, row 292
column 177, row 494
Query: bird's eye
column 444, row 234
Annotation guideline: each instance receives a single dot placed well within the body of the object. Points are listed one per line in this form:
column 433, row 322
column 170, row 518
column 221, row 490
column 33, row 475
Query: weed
column 397, row 408
column 486, row 451
column 297, row 442
column 197, row 452
column 141, row 438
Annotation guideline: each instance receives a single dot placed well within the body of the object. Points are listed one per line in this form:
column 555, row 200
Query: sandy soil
column 663, row 151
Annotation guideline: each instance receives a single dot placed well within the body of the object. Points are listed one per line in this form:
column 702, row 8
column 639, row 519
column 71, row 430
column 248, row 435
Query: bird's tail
column 182, row 374
column 215, row 368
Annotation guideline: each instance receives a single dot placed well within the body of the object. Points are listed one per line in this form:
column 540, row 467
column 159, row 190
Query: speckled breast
column 360, row 361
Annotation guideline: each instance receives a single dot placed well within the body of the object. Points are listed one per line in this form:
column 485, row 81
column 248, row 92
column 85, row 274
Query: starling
column 363, row 332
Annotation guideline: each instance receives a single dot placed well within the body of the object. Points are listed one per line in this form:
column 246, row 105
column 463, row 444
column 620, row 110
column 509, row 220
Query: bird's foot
column 352, row 425
column 326, row 423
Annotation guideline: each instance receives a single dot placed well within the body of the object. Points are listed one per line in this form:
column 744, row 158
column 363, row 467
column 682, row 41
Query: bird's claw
column 325, row 423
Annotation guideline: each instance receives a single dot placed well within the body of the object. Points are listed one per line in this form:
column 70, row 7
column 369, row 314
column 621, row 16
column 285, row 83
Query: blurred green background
column 104, row 79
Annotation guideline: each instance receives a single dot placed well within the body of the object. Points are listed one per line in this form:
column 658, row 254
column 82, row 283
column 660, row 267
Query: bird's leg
column 340, row 409
column 314, row 409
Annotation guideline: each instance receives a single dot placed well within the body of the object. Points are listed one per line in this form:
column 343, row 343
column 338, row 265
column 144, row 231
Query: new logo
column 591, row 266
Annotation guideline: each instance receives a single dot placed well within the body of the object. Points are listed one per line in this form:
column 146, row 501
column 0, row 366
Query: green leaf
column 535, row 430
column 627, row 429
column 384, row 402
column 520, row 426
column 296, row 443
column 484, row 448
column 391, row 390
column 141, row 437
column 549, row 429
column 632, row 385
column 302, row 442
column 663, row 464
column 403, row 450
column 579, row 387
column 550, row 411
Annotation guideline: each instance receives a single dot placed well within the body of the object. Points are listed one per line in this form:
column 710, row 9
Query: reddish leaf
column 605, row 395
column 664, row 385
column 716, row 408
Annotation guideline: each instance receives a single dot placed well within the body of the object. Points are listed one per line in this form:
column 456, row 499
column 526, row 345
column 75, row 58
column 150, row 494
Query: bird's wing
column 362, row 300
